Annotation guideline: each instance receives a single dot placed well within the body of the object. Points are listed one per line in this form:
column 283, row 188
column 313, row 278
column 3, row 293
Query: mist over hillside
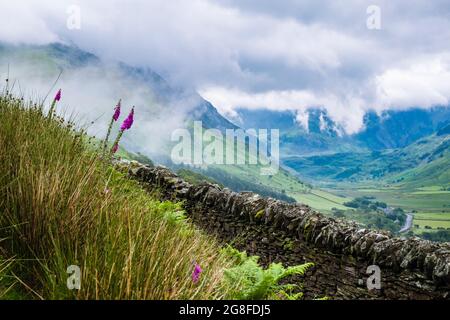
column 92, row 87
column 314, row 148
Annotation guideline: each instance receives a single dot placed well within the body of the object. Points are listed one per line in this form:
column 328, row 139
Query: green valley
column 415, row 178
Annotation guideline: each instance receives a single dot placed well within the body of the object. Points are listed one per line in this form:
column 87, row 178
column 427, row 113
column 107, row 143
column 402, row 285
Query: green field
column 432, row 192
column 430, row 205
column 320, row 200
column 408, row 199
column 414, row 178
column 424, row 220
column 432, row 216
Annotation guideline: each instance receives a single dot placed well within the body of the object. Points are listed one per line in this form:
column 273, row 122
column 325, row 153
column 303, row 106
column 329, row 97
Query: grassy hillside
column 433, row 173
column 283, row 185
column 194, row 177
column 64, row 206
column 423, row 162
column 61, row 205
column 430, row 206
column 47, row 61
column 415, row 178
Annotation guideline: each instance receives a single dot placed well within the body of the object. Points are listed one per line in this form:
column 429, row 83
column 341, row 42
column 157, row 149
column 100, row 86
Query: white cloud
column 302, row 118
column 23, row 23
column 89, row 95
column 291, row 55
column 424, row 83
column 347, row 111
column 420, row 83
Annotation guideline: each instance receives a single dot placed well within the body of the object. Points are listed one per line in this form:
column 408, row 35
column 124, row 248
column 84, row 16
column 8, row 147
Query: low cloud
column 423, row 83
column 90, row 93
column 289, row 56
column 228, row 100
column 24, row 22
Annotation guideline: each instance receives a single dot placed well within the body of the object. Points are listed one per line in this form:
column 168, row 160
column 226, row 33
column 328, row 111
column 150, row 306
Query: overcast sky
column 286, row 55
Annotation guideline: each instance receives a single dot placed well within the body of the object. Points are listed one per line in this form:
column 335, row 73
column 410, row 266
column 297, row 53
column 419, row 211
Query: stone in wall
column 294, row 233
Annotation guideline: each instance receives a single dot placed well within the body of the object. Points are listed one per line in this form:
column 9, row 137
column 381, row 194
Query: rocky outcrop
column 294, row 233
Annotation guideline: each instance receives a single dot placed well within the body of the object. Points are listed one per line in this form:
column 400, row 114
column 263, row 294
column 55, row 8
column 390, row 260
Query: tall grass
column 61, row 205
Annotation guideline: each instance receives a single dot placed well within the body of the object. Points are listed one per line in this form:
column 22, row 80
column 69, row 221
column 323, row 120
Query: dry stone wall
column 294, row 233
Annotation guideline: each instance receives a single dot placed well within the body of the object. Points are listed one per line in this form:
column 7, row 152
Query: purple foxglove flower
column 116, row 112
column 128, row 122
column 58, row 95
column 196, row 273
column 114, row 148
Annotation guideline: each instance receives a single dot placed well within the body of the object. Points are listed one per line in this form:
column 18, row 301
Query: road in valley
column 408, row 223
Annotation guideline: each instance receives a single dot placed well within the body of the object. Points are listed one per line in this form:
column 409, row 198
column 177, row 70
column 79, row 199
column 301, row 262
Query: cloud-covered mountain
column 92, row 86
column 315, row 132
column 397, row 129
column 293, row 55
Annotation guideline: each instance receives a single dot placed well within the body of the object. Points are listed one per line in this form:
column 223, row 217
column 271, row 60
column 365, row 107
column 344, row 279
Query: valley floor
column 430, row 206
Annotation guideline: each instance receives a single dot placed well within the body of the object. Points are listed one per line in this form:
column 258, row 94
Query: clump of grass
column 62, row 205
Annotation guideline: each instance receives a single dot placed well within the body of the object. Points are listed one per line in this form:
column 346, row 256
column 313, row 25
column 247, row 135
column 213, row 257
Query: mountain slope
column 62, row 205
column 161, row 107
column 48, row 60
column 319, row 134
column 422, row 162
column 397, row 129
